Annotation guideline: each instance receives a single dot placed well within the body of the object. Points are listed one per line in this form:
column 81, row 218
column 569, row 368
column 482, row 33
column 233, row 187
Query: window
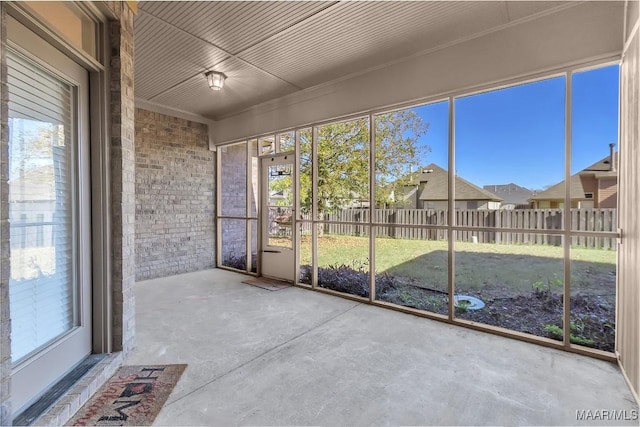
column 510, row 215
column 42, row 176
column 238, row 170
column 71, row 21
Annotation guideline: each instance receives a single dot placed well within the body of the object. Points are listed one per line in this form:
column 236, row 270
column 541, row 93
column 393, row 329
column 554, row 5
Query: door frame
column 99, row 162
column 263, row 239
column 30, row 375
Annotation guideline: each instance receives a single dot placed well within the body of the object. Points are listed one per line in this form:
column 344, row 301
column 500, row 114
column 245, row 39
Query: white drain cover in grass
column 470, row 303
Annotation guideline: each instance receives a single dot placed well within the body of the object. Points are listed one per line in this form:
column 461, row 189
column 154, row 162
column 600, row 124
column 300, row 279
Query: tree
column 397, row 152
column 32, row 143
column 343, row 160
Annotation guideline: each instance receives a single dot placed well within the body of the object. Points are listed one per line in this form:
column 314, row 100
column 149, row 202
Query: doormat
column 133, row 396
column 268, row 284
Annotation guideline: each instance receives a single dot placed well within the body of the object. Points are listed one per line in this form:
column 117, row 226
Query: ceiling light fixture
column 215, row 79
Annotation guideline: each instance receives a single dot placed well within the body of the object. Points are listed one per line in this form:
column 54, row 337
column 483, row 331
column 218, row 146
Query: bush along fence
column 393, row 220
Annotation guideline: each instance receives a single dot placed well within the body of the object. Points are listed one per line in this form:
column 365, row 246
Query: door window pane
column 41, row 206
column 280, row 205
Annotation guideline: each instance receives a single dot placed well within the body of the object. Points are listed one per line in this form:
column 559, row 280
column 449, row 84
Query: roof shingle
column 435, row 180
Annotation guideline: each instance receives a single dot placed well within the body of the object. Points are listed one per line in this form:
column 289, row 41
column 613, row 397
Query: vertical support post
column 296, row 231
column 248, row 188
column 372, row 208
column 451, row 206
column 314, row 207
column 566, row 217
column 122, row 155
column 219, row 205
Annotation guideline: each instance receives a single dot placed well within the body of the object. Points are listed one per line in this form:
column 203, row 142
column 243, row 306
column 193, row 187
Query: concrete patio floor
column 296, row 357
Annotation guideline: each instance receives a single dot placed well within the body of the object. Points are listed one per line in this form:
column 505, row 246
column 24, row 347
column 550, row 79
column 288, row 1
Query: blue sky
column 517, row 134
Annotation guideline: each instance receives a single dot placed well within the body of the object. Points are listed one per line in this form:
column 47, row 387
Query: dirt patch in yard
column 538, row 312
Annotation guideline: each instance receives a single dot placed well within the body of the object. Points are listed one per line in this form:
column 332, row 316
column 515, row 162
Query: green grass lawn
column 499, row 268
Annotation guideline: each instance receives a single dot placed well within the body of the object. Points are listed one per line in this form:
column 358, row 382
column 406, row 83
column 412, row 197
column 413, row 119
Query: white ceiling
column 271, row 49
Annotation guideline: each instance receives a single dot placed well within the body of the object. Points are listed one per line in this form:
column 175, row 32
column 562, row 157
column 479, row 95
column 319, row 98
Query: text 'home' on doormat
column 134, row 395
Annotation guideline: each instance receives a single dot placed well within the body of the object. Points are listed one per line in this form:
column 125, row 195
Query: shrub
column 343, row 278
column 352, row 279
column 239, row 262
column 556, row 331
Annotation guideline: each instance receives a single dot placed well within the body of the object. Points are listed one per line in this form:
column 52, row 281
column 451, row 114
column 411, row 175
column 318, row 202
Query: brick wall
column 5, row 322
column 122, row 201
column 233, row 193
column 175, row 197
column 122, row 177
column 233, row 172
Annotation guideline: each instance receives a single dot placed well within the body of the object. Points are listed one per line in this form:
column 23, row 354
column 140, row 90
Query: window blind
column 41, row 206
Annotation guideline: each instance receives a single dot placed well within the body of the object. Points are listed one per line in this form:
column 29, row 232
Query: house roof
column 600, row 169
column 435, row 180
column 511, row 193
column 602, row 165
column 557, row 191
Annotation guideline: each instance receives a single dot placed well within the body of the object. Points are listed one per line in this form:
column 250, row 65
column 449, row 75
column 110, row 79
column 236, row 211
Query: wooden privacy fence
column 597, row 220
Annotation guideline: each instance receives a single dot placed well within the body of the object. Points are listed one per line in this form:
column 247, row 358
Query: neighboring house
column 428, row 189
column 513, row 196
column 593, row 187
column 356, row 202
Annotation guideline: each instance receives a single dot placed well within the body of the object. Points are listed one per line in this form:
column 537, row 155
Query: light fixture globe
column 215, row 79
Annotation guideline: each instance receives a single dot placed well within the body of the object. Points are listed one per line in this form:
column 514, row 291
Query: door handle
column 271, row 251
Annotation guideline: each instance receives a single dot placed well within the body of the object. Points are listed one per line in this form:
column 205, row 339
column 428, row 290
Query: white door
column 49, row 214
column 278, row 239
